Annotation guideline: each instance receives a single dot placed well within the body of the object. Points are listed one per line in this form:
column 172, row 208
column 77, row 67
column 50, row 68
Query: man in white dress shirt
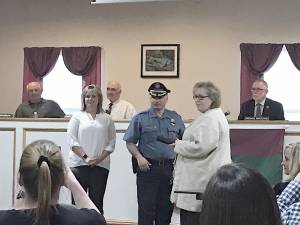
column 118, row 108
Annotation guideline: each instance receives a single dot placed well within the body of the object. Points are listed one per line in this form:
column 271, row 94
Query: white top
column 93, row 135
column 120, row 110
column 205, row 146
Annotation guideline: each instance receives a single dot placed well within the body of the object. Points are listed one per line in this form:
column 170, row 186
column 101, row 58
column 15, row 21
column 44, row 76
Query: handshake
column 165, row 139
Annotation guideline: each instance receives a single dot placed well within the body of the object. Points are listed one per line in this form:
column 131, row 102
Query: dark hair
column 213, row 93
column 42, row 174
column 94, row 89
column 237, row 195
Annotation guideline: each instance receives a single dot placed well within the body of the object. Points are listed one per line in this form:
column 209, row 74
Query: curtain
column 256, row 59
column 294, row 53
column 37, row 63
column 82, row 61
column 85, row 62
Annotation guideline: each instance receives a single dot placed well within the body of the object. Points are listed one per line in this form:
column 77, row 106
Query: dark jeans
column 189, row 218
column 93, row 180
column 153, row 193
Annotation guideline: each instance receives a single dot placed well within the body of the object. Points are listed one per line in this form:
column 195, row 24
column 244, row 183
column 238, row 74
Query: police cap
column 158, row 90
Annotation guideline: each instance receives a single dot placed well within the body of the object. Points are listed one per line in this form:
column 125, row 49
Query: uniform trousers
column 93, row 180
column 153, row 193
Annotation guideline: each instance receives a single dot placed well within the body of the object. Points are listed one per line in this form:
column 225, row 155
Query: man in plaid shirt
column 289, row 202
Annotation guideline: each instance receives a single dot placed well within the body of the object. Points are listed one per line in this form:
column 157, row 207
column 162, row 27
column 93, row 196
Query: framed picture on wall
column 160, row 60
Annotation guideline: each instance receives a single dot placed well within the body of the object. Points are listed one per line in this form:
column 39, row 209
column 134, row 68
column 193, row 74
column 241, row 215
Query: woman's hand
column 173, row 144
column 92, row 161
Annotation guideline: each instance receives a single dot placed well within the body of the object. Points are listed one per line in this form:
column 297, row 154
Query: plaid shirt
column 289, row 204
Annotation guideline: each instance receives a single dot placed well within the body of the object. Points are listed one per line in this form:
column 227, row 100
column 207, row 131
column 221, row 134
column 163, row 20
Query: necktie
column 108, row 111
column 258, row 110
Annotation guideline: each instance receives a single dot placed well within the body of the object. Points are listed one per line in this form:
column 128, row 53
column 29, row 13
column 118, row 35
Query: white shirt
column 93, row 135
column 120, row 110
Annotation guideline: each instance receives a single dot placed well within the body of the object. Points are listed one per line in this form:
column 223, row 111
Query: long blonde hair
column 42, row 174
column 293, row 151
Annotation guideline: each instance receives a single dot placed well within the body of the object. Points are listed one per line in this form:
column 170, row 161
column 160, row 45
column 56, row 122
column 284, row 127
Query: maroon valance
column 256, row 59
column 80, row 60
column 41, row 60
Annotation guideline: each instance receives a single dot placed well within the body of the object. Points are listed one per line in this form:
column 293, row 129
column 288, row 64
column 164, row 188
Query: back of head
column 238, row 195
column 42, row 174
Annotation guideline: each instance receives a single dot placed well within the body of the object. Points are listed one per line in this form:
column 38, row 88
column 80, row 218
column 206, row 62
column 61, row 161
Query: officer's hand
column 144, row 165
column 173, row 144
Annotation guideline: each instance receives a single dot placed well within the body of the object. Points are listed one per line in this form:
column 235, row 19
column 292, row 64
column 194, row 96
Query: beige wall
column 209, row 32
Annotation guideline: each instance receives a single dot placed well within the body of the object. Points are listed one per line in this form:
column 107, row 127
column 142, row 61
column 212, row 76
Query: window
column 284, row 85
column 63, row 87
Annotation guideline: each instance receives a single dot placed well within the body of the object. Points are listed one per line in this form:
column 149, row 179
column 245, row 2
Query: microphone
column 227, row 113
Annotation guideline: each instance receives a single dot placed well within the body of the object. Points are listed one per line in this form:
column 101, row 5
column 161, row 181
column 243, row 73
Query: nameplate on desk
column 6, row 115
column 254, row 118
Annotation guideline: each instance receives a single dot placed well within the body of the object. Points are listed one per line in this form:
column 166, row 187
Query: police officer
column 153, row 130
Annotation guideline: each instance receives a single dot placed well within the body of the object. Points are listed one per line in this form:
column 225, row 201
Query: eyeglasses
column 257, row 89
column 199, row 97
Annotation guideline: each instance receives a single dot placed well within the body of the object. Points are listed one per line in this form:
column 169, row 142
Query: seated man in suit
column 261, row 107
column 36, row 106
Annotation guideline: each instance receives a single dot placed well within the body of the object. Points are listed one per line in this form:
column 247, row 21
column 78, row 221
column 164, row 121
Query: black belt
column 160, row 162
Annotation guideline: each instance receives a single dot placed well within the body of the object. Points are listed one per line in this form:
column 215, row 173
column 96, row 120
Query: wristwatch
column 84, row 156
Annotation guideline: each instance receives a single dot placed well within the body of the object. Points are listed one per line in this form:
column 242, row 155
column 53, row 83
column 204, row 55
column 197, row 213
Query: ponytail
column 42, row 174
column 43, row 194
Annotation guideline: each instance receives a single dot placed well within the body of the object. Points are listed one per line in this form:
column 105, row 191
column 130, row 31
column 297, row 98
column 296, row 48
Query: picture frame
column 160, row 60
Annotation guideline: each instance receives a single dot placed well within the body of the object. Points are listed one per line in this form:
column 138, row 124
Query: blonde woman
column 92, row 138
column 42, row 173
column 290, row 164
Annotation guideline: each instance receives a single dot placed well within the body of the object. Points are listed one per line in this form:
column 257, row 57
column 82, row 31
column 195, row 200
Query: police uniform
column 152, row 133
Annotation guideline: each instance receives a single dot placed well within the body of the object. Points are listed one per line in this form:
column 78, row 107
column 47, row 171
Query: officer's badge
column 173, row 122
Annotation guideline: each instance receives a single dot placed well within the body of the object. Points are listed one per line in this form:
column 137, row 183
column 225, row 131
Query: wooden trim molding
column 120, row 222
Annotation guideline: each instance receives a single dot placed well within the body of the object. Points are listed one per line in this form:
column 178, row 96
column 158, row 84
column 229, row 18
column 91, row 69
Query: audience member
column 92, row 138
column 36, row 106
column 118, row 108
column 290, row 164
column 261, row 107
column 154, row 129
column 289, row 202
column 42, row 173
column 205, row 146
column 238, row 195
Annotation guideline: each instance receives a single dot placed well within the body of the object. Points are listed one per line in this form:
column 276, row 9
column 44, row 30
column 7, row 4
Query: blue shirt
column 147, row 125
column 289, row 203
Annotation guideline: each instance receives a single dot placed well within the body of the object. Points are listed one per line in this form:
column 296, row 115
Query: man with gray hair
column 261, row 107
column 118, row 108
column 36, row 106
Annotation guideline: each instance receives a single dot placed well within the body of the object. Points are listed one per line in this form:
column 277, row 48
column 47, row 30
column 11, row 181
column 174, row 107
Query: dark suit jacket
column 272, row 110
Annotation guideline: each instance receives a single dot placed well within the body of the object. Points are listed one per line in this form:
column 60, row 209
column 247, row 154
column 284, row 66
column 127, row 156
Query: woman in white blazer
column 205, row 146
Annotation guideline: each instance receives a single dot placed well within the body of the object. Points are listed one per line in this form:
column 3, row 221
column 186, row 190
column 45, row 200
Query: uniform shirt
column 44, row 109
column 93, row 135
column 145, row 128
column 121, row 110
column 60, row 215
column 289, row 203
